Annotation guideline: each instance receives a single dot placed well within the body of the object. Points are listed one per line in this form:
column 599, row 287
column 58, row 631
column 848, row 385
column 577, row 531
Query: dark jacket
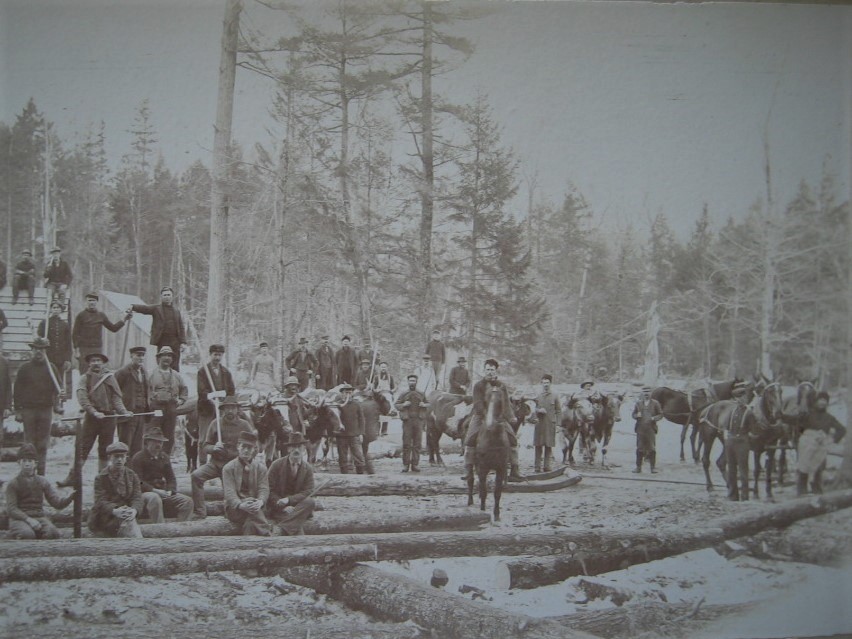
column 134, row 394
column 225, row 382
column 101, row 396
column 480, row 399
column 58, row 273
column 436, row 350
column 59, row 335
column 34, row 387
column 352, row 418
column 87, row 328
column 459, row 377
column 826, row 422
column 325, row 358
column 282, row 484
column 109, row 496
column 25, row 266
column 370, row 410
column 25, row 497
column 154, row 472
column 157, row 312
column 346, row 363
column 418, row 407
column 302, row 361
column 6, row 385
column 647, row 416
column 230, row 434
column 362, row 379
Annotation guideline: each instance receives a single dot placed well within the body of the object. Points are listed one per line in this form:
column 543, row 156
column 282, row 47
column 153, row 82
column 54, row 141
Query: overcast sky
column 643, row 107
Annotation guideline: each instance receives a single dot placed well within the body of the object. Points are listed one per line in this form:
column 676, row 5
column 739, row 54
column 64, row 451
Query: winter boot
column 538, row 459
column 638, row 468
column 514, row 474
column 652, row 458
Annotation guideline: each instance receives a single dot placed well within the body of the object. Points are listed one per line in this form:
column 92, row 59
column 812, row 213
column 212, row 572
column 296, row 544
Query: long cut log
column 398, row 598
column 54, row 568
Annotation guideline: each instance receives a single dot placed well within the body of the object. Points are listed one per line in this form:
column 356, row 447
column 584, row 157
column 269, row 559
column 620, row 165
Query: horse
column 578, row 420
column 442, row 408
column 609, row 413
column 683, row 409
column 492, row 453
column 774, row 434
column 270, row 421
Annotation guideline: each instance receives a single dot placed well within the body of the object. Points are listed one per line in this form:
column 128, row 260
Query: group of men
column 57, row 275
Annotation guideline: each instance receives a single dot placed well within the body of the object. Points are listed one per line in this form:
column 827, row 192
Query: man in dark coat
column 118, row 497
column 57, row 276
column 325, row 371
column 291, row 482
column 58, row 333
column 438, row 353
column 647, row 412
column 413, row 408
column 25, row 497
column 133, row 381
column 168, row 328
column 87, row 334
column 346, row 362
column 37, row 393
column 372, row 425
column 363, row 380
column 157, row 481
column 303, row 363
column 24, row 278
column 222, row 381
column 460, row 378
column 350, row 434
column 548, row 418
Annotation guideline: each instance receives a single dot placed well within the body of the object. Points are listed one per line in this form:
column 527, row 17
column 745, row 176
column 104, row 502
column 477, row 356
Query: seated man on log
column 118, row 497
column 25, row 497
column 291, row 483
column 220, row 452
column 819, row 428
column 246, row 488
column 480, row 405
column 157, row 478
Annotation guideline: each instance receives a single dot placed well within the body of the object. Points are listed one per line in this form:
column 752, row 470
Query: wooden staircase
column 23, row 322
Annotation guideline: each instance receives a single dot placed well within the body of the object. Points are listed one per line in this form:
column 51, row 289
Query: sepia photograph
column 425, row 319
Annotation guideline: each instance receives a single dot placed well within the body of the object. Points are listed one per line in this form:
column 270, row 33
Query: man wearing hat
column 25, row 497
column 437, row 353
column 246, row 488
column 212, row 378
column 57, row 331
column 460, row 377
column 291, row 483
column 426, row 380
column 548, row 418
column 24, row 278
column 87, row 333
column 586, row 391
column 349, row 435
column 647, row 412
column 346, row 362
column 737, row 444
column 118, row 497
column 57, row 275
column 133, row 381
column 325, row 371
column 220, row 452
column 167, row 328
column 413, row 408
column 157, row 481
column 297, row 407
column 362, row 377
column 819, row 429
column 303, row 362
column 167, row 391
column 37, row 396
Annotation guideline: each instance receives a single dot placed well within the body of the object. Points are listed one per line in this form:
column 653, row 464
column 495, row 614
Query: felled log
column 398, row 598
column 55, row 568
column 592, row 559
column 376, row 486
column 14, row 438
column 825, row 540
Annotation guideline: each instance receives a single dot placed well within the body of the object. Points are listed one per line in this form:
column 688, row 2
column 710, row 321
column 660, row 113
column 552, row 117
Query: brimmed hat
column 427, row 356
column 117, row 447
column 365, row 360
column 493, row 362
column 262, row 344
column 141, row 350
column 547, row 376
column 462, row 360
column 295, row 439
column 346, row 387
column 56, row 249
column 345, row 337
column 304, row 340
column 27, row 451
column 248, row 437
column 216, row 348
column 40, row 342
column 166, row 350
column 410, row 375
column 167, row 288
column 323, row 336
column 91, row 295
column 27, row 252
column 230, row 400
column 56, row 303
column 291, row 381
column 90, row 356
column 587, row 382
column 155, row 433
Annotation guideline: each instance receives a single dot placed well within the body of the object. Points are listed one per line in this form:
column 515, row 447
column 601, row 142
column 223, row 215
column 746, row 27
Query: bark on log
column 397, row 598
column 13, row 439
column 375, row 486
column 262, row 559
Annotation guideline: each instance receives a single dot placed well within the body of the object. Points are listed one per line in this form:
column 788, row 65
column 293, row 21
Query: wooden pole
column 78, row 480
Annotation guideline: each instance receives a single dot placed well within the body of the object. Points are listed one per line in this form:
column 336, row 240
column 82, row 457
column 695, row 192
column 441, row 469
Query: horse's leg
column 705, row 460
column 757, row 454
column 470, row 488
column 607, row 437
column 683, row 439
column 694, row 439
column 770, row 466
column 722, row 463
column 483, row 486
column 499, row 480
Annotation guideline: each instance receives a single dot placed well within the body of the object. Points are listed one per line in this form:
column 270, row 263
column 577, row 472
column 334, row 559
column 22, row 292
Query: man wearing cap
column 303, row 363
column 37, row 396
column 325, row 371
column 413, row 408
column 647, row 412
column 133, row 381
column 291, row 482
column 220, row 452
column 25, row 497
column 246, row 488
column 362, row 377
column 437, row 353
column 736, row 444
column 87, row 334
column 350, row 433
column 24, row 278
column 167, row 328
column 58, row 333
column 157, row 481
column 426, row 380
column 212, row 378
column 118, row 497
column 460, row 377
column 167, row 392
column 819, row 429
column 548, row 417
column 297, row 408
column 346, row 362
column 482, row 392
column 57, row 275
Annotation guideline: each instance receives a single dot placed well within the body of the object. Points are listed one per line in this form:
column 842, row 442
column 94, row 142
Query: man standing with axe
column 133, row 381
column 214, row 382
column 37, row 396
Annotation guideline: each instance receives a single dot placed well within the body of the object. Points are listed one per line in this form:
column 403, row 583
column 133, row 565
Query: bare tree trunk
column 578, row 316
column 427, row 158
column 221, row 165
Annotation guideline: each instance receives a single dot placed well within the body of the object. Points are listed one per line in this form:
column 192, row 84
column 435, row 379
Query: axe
column 214, row 397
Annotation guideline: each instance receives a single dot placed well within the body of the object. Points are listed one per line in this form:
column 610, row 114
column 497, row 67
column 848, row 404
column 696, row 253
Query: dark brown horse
column 607, row 415
column 578, row 421
column 442, row 408
column 492, row 453
column 773, row 435
column 683, row 409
